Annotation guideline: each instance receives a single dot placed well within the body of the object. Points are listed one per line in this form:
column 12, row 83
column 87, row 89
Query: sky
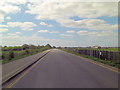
column 66, row 24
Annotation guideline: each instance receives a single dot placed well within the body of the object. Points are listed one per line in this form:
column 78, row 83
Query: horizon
column 59, row 46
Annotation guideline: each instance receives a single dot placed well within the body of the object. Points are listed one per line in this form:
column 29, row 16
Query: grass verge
column 117, row 65
column 19, row 57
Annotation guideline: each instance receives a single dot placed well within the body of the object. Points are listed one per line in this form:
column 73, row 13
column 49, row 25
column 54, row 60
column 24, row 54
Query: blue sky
column 63, row 24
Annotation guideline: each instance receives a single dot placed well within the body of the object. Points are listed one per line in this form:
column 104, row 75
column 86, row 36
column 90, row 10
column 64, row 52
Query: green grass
column 101, row 49
column 13, row 51
column 19, row 57
column 117, row 65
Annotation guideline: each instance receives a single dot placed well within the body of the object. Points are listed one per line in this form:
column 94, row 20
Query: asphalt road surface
column 11, row 68
column 59, row 69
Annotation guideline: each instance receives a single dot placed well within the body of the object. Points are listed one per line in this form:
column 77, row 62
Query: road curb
column 13, row 76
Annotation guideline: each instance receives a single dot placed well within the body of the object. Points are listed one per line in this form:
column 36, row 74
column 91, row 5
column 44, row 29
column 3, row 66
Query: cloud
column 107, row 34
column 8, row 18
column 46, row 31
column 18, row 32
column 91, row 24
column 50, row 25
column 27, row 29
column 7, row 8
column 43, row 31
column 70, row 31
column 10, row 7
column 62, row 12
column 28, row 26
column 66, row 35
column 34, row 39
column 82, row 32
column 45, row 24
column 2, row 26
column 3, row 30
column 98, row 34
column 12, row 37
column 66, row 10
column 54, row 32
column 17, row 2
column 12, row 34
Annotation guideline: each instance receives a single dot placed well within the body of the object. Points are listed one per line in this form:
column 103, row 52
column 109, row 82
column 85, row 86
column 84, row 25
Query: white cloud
column 27, row 29
column 14, row 24
column 6, row 8
column 18, row 32
column 3, row 30
column 46, row 31
column 91, row 24
column 98, row 34
column 70, row 31
column 2, row 26
column 43, row 31
column 12, row 37
column 28, row 26
column 8, row 18
column 107, row 33
column 34, row 39
column 63, row 11
column 54, row 32
column 17, row 2
column 66, row 35
column 43, row 23
column 10, row 7
column 12, row 34
column 82, row 32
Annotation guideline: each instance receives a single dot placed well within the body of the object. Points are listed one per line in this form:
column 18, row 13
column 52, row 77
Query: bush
column 27, row 51
column 11, row 55
column 3, row 56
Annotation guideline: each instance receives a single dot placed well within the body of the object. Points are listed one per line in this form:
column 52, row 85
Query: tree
column 42, row 46
column 54, row 47
column 25, row 46
column 48, row 46
column 32, row 47
column 5, row 46
column 38, row 46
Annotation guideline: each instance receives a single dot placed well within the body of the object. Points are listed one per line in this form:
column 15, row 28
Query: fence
column 104, row 55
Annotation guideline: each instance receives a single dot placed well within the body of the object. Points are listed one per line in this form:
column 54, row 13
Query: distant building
column 96, row 47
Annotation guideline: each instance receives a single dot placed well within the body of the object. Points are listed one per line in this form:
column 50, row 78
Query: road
column 9, row 69
column 59, row 69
